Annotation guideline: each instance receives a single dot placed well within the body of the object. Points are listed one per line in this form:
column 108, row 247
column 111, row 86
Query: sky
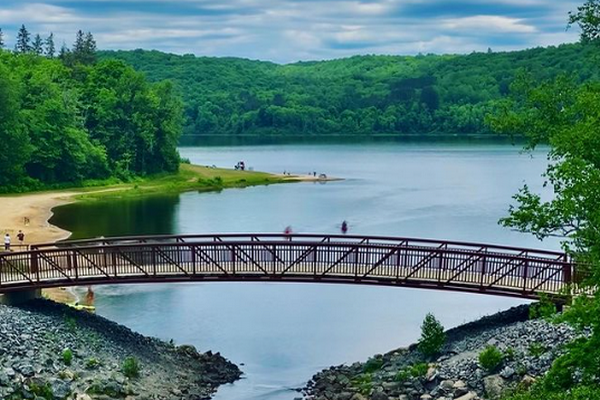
column 292, row 30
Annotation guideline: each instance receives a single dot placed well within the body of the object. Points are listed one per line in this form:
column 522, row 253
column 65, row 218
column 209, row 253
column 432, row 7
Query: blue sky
column 291, row 30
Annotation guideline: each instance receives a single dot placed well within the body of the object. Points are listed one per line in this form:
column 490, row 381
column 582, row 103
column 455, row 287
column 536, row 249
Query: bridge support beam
column 20, row 297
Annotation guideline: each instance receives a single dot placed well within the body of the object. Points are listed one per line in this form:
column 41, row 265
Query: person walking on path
column 7, row 242
column 21, row 237
column 344, row 227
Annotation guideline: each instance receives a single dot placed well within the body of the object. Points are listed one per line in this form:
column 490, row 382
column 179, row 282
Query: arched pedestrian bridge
column 387, row 261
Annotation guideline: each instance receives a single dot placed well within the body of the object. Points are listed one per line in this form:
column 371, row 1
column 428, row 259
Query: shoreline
column 31, row 212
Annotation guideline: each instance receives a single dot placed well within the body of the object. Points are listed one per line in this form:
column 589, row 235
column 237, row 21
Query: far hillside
column 362, row 95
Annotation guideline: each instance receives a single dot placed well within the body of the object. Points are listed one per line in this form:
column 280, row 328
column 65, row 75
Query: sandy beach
column 30, row 213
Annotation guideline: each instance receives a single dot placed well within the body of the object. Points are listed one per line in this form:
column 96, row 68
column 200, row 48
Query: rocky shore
column 527, row 347
column 50, row 351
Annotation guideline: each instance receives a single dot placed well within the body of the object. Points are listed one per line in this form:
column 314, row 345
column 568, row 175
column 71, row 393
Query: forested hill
column 361, row 95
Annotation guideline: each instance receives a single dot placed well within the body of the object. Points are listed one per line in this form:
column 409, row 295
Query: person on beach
column 7, row 242
column 344, row 227
column 21, row 237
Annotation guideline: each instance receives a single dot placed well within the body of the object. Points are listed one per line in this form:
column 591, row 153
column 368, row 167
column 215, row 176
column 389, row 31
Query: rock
column 426, row 397
column 379, row 396
column 358, row 396
column 446, row 385
column 432, row 374
column 459, row 385
column 527, row 381
column 494, row 386
column 468, row 396
column 507, row 372
column 60, row 389
column 403, row 397
column 82, row 396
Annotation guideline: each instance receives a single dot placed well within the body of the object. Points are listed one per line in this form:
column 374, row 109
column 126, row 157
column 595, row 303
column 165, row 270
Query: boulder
column 468, row 396
column 494, row 386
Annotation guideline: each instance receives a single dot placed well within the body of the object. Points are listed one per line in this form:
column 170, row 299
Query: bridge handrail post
column 525, row 273
column 483, row 267
column 193, row 250
column 75, row 263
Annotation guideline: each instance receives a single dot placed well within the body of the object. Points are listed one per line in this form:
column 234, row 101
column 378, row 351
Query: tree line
column 362, row 95
column 68, row 119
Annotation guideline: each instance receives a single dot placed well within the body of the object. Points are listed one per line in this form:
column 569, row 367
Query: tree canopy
column 71, row 121
column 362, row 95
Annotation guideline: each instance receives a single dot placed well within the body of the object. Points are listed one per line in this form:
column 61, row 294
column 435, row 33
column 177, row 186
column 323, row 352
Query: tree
column 565, row 114
column 588, row 19
column 50, row 49
column 38, row 45
column 89, row 49
column 23, row 44
column 433, row 336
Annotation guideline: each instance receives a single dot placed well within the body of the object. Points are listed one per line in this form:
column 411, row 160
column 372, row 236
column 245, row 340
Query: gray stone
column 60, row 389
column 494, row 386
column 379, row 396
column 468, row 396
column 507, row 372
column 358, row 396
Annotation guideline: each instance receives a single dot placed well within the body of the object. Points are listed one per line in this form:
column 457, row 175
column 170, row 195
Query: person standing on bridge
column 7, row 242
column 344, row 227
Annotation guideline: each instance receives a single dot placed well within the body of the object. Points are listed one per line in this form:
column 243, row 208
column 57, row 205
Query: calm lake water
column 284, row 333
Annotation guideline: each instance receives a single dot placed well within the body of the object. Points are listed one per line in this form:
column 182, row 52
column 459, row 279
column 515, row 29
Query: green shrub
column 544, row 309
column 490, row 358
column 130, row 367
column 433, row 337
column 42, row 390
column 373, row 364
column 92, row 363
column 403, row 375
column 509, row 354
column 536, row 349
column 419, row 370
column 67, row 356
column 363, row 383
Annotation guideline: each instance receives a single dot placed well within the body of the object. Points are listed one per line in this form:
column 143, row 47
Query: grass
column 188, row 178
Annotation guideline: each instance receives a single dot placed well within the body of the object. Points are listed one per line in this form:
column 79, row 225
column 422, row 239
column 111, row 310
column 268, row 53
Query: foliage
column 373, row 364
column 65, row 122
column 362, row 95
column 536, row 349
column 591, row 392
column 363, row 383
column 67, row 356
column 414, row 371
column 490, row 358
column 509, row 354
column 433, row 336
column 92, row 363
column 565, row 112
column 544, row 309
column 41, row 389
column 130, row 367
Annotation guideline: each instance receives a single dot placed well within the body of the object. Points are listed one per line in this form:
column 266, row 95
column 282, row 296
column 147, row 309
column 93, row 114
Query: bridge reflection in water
column 388, row 261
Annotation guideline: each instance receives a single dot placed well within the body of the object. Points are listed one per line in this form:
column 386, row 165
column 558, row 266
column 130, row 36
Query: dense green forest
column 65, row 118
column 361, row 95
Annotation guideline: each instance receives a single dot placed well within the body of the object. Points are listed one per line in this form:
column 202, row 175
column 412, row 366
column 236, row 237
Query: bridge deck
column 468, row 267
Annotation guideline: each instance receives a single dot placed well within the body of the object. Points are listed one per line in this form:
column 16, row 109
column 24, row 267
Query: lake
column 284, row 333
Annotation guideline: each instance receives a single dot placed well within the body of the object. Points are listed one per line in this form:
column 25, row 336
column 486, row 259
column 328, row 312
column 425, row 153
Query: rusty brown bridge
column 365, row 260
